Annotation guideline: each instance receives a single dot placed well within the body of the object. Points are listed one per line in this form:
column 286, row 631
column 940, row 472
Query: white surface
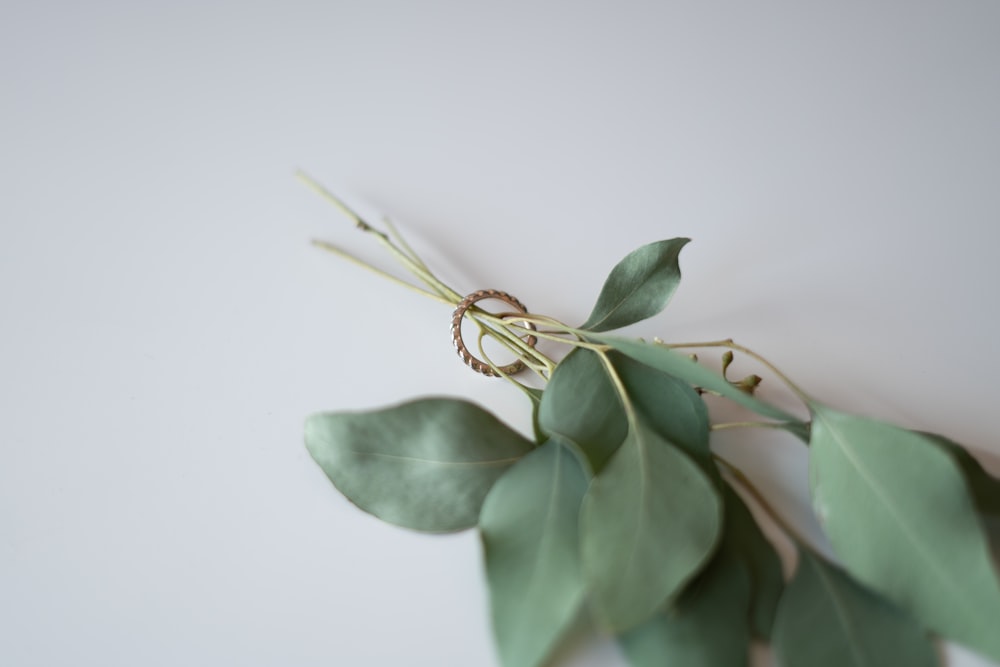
column 165, row 326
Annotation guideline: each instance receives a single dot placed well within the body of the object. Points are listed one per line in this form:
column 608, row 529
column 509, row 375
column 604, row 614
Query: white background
column 165, row 325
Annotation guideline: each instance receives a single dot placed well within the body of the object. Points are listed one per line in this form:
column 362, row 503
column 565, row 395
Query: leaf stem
column 744, row 481
column 505, row 330
column 329, row 247
column 539, row 363
column 630, row 413
column 729, row 343
column 525, row 389
column 413, row 264
column 725, row 426
column 396, row 234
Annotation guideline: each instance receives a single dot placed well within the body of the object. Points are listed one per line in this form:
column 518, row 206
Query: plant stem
column 725, row 426
column 413, row 264
column 759, row 498
column 497, row 327
column 537, row 362
column 732, row 345
column 630, row 414
column 395, row 233
column 540, row 369
column 329, row 247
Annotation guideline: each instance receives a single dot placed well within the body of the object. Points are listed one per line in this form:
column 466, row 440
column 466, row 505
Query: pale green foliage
column 898, row 512
column 425, row 465
column 650, row 522
column 744, row 540
column 828, row 620
column 530, row 533
column 680, row 366
column 707, row 627
column 638, row 287
column 581, row 404
column 711, row 623
column 656, row 546
column 669, row 407
column 985, row 488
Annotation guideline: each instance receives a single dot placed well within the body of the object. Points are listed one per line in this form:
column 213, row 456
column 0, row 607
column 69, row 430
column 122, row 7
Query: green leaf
column 650, row 522
column 713, row 620
column 536, row 401
column 638, row 287
column 707, row 627
column 581, row 404
column 530, row 532
column 898, row 512
column 744, row 539
column 826, row 619
column 425, row 465
column 670, row 407
column 984, row 487
column 680, row 366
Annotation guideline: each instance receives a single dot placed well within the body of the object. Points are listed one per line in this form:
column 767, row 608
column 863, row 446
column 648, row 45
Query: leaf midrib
column 842, row 616
column 642, row 503
column 941, row 575
column 621, row 302
column 542, row 544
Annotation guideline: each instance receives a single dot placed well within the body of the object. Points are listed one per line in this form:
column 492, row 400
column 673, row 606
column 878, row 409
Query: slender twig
column 396, row 234
column 759, row 498
column 748, row 424
column 630, row 413
column 329, row 247
column 732, row 345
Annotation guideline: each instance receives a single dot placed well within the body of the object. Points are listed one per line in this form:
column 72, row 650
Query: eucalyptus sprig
column 618, row 509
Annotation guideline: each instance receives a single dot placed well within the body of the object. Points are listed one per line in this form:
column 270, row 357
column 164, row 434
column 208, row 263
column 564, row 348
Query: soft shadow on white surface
column 165, row 326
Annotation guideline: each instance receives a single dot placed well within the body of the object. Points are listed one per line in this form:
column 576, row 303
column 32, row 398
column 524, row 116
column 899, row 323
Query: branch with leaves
column 617, row 509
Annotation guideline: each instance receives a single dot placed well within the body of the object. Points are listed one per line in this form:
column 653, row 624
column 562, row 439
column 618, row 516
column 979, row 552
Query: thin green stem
column 559, row 335
column 496, row 368
column 420, row 273
column 513, row 328
column 630, row 413
column 505, row 331
column 732, row 345
column 413, row 264
column 398, row 236
column 329, row 247
column 725, row 426
column 525, row 389
column 759, row 498
column 505, row 327
column 316, row 187
column 519, row 348
column 547, row 335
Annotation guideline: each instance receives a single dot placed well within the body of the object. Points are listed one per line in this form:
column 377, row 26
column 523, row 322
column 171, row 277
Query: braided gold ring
column 456, row 331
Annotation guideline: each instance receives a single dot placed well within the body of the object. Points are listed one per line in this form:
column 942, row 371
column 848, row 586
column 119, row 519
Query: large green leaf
column 530, row 532
column 680, row 366
column 425, row 465
column 638, row 287
column 581, row 404
column 985, row 488
column 826, row 619
column 650, row 521
column 707, row 627
column 898, row 512
column 669, row 406
column 712, row 622
column 744, row 539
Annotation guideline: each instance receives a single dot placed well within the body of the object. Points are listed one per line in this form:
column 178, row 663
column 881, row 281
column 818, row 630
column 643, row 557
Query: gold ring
column 456, row 332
